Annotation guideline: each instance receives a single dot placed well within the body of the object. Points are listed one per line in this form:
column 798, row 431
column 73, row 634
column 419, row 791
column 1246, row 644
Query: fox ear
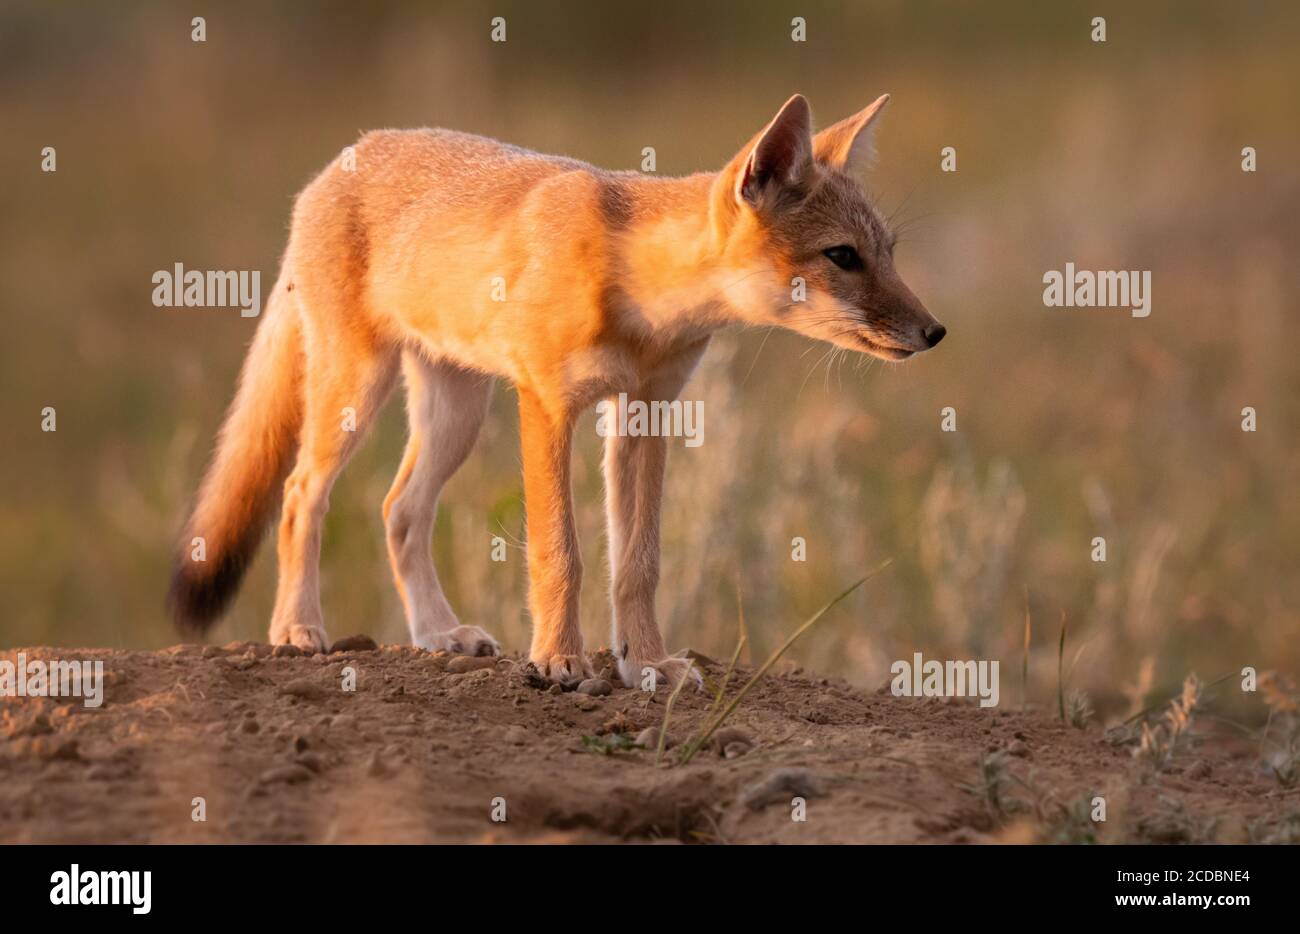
column 780, row 154
column 849, row 144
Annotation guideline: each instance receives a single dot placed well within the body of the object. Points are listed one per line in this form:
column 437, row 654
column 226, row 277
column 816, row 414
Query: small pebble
column 354, row 644
column 648, row 738
column 782, row 785
column 55, row 748
column 466, row 663
column 729, row 735
column 304, row 688
column 183, row 651
column 289, row 774
column 39, row 725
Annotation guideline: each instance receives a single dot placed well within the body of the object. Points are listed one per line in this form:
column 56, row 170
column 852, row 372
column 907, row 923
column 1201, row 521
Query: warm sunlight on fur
column 456, row 259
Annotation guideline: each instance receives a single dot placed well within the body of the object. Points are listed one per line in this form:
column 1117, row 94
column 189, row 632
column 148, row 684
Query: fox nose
column 934, row 333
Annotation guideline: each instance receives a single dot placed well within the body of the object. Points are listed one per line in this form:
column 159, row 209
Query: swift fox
column 458, row 260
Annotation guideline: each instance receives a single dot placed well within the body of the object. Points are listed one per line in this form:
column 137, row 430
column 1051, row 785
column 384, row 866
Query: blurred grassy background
column 1072, row 422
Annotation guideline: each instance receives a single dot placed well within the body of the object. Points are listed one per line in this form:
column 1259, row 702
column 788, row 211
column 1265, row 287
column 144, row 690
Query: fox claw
column 565, row 670
column 311, row 639
column 669, row 671
column 463, row 640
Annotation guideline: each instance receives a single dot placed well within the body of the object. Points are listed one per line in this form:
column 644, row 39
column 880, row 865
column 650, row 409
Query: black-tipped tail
column 241, row 490
column 201, row 591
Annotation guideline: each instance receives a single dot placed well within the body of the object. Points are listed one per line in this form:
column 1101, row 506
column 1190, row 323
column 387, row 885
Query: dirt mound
column 431, row 748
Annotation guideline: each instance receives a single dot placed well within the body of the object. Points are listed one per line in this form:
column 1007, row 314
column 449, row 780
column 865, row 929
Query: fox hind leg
column 344, row 386
column 446, row 405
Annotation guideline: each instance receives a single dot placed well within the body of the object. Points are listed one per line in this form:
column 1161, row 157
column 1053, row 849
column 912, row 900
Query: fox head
column 791, row 214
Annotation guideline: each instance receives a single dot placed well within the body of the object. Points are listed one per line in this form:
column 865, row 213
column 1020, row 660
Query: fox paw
column 666, row 671
column 463, row 640
column 311, row 639
column 565, row 670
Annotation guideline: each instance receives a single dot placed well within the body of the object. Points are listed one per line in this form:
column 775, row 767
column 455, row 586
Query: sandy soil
column 425, row 743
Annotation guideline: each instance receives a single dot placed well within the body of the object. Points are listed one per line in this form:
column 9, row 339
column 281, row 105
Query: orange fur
column 458, row 259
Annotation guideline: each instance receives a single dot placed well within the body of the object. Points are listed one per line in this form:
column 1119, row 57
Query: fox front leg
column 634, row 483
column 554, row 563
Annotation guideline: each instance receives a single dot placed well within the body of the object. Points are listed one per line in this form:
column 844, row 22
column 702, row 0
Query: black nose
column 934, row 333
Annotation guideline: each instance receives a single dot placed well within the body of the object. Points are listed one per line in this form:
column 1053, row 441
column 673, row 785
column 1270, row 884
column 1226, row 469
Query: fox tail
column 241, row 489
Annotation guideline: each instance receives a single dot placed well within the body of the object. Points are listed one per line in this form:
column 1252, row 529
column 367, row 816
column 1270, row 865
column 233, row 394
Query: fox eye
column 844, row 257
